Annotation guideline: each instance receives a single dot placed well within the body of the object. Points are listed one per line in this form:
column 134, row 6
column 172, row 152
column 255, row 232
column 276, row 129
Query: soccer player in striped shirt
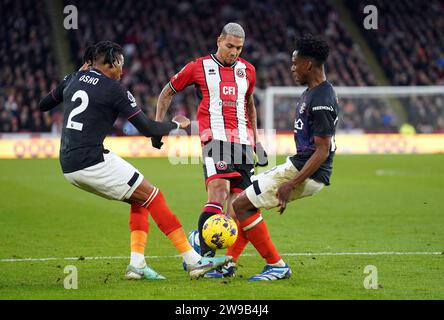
column 227, row 126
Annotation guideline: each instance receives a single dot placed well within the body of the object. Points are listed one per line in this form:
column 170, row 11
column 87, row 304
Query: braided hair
column 107, row 52
column 88, row 56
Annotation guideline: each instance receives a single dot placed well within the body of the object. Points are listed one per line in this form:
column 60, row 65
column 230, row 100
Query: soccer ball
column 219, row 231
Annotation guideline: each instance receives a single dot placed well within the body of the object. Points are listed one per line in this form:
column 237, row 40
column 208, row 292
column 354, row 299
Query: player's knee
column 237, row 207
column 243, row 208
column 218, row 191
column 142, row 192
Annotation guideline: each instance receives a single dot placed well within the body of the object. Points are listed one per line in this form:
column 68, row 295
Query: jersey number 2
column 84, row 100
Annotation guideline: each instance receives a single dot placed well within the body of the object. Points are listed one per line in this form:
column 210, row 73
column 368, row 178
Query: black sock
column 205, row 250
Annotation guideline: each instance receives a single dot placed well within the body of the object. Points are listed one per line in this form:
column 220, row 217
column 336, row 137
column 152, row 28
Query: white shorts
column 262, row 193
column 113, row 178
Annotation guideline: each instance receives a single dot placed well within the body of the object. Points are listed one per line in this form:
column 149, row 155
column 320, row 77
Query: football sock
column 139, row 226
column 179, row 240
column 138, row 218
column 280, row 263
column 241, row 242
column 162, row 215
column 191, row 256
column 137, row 260
column 210, row 209
column 138, row 241
column 170, row 226
column 257, row 232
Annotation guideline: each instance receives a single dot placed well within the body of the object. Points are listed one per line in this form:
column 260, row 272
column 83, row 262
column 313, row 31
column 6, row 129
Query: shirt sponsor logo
column 228, row 103
column 228, row 91
column 328, row 108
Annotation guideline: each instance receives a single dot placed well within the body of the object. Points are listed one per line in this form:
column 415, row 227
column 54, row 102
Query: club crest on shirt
column 240, row 73
column 132, row 99
column 221, row 165
column 302, row 109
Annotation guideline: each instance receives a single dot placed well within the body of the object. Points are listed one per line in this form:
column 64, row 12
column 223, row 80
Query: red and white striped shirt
column 222, row 112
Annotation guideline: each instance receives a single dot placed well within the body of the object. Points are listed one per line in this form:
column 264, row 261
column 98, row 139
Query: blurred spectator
column 160, row 36
column 409, row 44
column 27, row 68
column 158, row 44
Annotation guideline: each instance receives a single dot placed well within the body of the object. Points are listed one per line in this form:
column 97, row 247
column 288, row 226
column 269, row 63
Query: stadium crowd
column 157, row 45
column 27, row 67
column 161, row 36
column 409, row 44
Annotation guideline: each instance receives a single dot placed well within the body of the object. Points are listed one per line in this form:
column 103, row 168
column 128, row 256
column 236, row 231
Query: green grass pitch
column 376, row 203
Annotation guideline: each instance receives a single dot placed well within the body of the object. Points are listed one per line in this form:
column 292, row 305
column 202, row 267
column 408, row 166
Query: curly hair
column 313, row 47
column 107, row 52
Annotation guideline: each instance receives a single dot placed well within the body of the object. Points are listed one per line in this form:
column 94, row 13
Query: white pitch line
column 244, row 255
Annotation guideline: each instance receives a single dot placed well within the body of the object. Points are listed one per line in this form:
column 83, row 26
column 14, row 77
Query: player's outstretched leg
column 218, row 191
column 170, row 225
column 210, row 208
column 241, row 242
column 228, row 270
column 139, row 226
column 207, row 264
column 254, row 226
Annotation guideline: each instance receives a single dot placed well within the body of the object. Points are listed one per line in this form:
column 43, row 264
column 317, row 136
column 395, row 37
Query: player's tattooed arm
column 164, row 101
column 316, row 160
column 252, row 116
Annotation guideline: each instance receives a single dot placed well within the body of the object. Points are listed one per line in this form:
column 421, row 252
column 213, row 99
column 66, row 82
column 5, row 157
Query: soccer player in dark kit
column 92, row 99
column 303, row 174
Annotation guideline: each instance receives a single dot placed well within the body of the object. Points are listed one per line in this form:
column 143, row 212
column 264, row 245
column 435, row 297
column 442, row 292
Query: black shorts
column 226, row 160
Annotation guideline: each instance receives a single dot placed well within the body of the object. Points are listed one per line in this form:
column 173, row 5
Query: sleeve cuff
column 172, row 88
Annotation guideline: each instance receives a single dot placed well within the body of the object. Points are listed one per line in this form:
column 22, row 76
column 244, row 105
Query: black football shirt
column 92, row 102
column 316, row 115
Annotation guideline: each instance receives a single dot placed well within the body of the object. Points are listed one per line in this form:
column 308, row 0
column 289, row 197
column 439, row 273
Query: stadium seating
column 158, row 46
column 409, row 44
column 27, row 67
column 161, row 36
